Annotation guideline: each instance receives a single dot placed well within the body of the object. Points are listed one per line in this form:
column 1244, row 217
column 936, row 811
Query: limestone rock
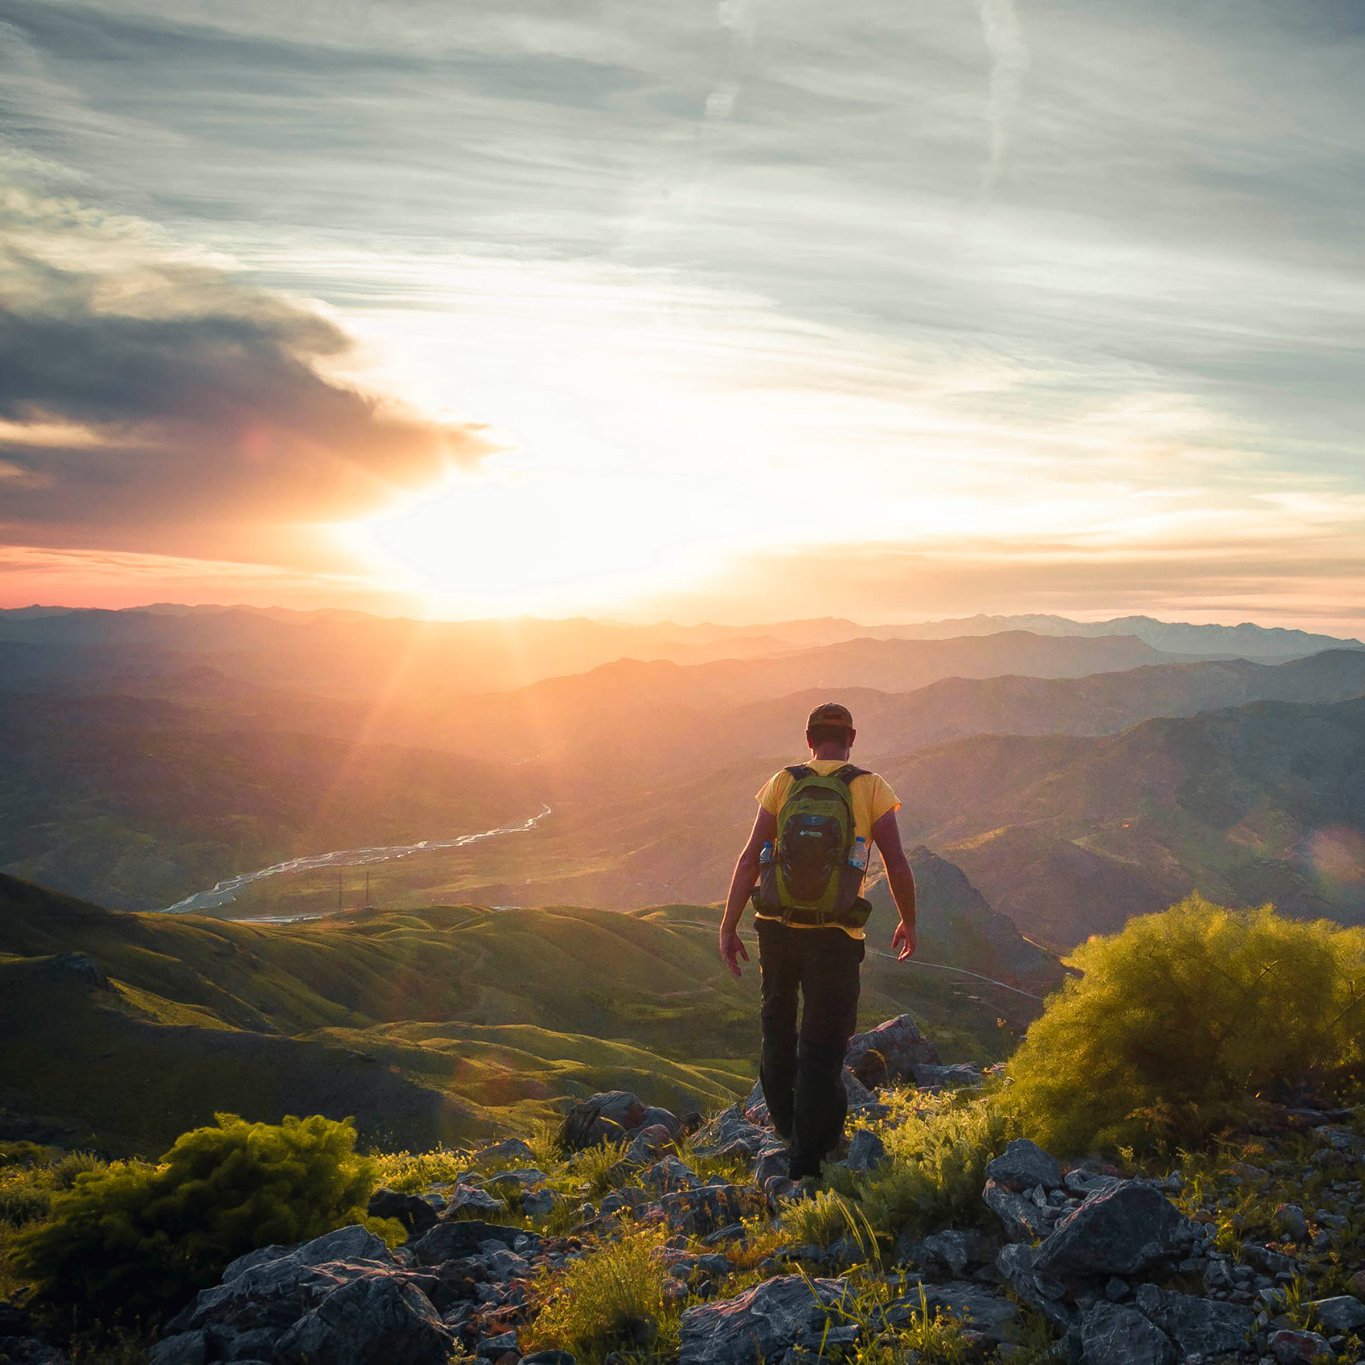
column 1024, row 1164
column 887, row 1054
column 1344, row 1313
column 866, row 1151
column 1117, row 1231
column 1021, row 1218
column 994, row 1317
column 378, row 1318
column 509, row 1149
column 760, row 1323
column 709, row 1208
column 1112, row 1334
column 668, row 1175
column 1291, row 1347
column 1203, row 1327
column 606, row 1117
column 731, row 1134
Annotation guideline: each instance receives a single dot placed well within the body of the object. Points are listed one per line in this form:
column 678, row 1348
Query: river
column 226, row 891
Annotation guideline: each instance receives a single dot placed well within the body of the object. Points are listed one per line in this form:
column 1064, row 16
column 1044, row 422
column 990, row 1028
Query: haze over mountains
column 154, row 752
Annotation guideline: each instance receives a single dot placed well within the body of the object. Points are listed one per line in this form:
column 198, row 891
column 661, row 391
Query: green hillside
column 440, row 1024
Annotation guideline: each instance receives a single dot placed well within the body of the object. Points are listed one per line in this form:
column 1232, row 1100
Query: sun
column 509, row 540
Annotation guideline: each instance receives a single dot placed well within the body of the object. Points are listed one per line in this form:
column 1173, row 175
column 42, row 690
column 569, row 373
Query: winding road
column 226, row 891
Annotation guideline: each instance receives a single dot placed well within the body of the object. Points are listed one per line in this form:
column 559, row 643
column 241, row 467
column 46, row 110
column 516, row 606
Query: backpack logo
column 812, row 867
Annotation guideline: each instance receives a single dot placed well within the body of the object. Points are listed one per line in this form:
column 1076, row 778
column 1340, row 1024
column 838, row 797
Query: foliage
column 133, row 1240
column 937, row 1153
column 30, row 1176
column 611, row 1298
column 1182, row 1018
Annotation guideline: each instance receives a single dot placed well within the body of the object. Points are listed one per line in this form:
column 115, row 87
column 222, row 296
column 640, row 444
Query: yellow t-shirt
column 870, row 796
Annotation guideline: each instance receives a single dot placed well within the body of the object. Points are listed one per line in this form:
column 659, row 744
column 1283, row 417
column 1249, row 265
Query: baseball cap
column 830, row 713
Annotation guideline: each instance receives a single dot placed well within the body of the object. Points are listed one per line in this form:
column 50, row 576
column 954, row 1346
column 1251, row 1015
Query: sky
column 733, row 311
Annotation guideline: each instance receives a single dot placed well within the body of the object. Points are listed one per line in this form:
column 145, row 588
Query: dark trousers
column 802, row 1073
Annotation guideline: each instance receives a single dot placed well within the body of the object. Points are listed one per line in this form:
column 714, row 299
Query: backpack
column 810, row 877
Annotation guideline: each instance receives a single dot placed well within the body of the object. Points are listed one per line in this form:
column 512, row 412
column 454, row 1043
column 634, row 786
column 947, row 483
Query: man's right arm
column 887, row 836
column 741, row 884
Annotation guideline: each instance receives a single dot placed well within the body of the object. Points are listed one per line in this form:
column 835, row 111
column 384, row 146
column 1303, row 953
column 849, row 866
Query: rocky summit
column 1074, row 1261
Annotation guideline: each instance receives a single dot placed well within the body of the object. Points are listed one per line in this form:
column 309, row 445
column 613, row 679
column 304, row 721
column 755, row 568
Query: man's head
column 830, row 725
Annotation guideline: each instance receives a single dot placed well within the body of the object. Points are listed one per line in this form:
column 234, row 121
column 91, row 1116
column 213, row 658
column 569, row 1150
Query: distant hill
column 1247, row 640
column 431, row 1025
column 1070, row 837
column 141, row 802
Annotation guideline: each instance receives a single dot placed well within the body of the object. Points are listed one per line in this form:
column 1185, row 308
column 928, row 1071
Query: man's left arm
column 741, row 887
column 886, row 835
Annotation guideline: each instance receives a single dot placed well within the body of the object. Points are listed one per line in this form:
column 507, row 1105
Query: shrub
column 134, row 1240
column 611, row 1298
column 936, row 1166
column 1182, row 1018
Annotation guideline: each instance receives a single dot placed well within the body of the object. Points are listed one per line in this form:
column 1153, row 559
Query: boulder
column 1024, row 1164
column 1344, row 1313
column 415, row 1214
column 709, row 1208
column 1022, row 1219
column 758, row 1325
column 1112, row 1334
column 464, row 1237
column 1016, row 1265
column 668, row 1175
column 993, row 1317
column 509, row 1149
column 649, row 1144
column 471, row 1199
column 887, row 1054
column 731, row 1134
column 772, row 1160
column 30, row 1351
column 1291, row 1347
column 1118, row 1231
column 952, row 1252
column 930, row 1077
column 378, row 1318
column 865, row 1152
column 273, row 1287
column 609, row 1116
column 1202, row 1327
column 184, row 1348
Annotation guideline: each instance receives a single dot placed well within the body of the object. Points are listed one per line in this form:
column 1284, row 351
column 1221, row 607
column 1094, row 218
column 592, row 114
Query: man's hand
column 732, row 951
column 905, row 938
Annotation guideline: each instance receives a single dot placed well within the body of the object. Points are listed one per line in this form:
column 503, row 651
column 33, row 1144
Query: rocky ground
column 1075, row 1262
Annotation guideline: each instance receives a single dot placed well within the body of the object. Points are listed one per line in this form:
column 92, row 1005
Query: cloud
column 1004, row 36
column 149, row 399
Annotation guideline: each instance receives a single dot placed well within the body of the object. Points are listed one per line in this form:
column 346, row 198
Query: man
column 815, row 954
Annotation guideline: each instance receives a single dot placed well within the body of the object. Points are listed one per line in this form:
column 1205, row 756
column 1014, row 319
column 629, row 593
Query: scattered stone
column 952, row 1252
column 415, row 1214
column 1289, row 1346
column 668, row 1175
column 994, row 1318
column 463, row 1237
column 1021, row 1218
column 929, row 1077
column 471, row 1199
column 1344, row 1313
column 887, row 1054
column 866, row 1152
column 539, row 1203
column 649, row 1144
column 759, row 1323
column 1291, row 1221
column 510, row 1149
column 1118, row 1231
column 1202, row 1327
column 772, row 1161
column 371, row 1319
column 606, row 1117
column 1022, row 1165
column 30, row 1351
column 1112, row 1334
column 703, row 1210
column 731, row 1134
column 1016, row 1265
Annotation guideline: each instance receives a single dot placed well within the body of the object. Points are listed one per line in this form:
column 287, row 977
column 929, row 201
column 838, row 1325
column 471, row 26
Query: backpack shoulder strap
column 799, row 772
column 848, row 772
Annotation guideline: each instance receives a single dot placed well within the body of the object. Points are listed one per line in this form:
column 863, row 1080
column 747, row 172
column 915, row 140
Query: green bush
column 612, row 1298
column 1184, row 1017
column 134, row 1240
